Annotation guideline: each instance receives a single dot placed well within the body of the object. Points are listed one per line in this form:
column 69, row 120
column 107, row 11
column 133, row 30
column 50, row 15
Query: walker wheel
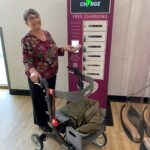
column 37, row 141
column 101, row 140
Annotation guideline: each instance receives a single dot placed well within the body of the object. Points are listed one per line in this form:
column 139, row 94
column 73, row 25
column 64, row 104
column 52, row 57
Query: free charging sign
column 90, row 6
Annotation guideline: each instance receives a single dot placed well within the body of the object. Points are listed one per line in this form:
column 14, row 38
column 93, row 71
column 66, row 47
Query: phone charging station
column 90, row 24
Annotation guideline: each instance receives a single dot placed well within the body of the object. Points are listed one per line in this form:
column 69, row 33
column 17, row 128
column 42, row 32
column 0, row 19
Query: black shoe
column 46, row 128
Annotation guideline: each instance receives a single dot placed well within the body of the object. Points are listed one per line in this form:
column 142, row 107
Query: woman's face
column 34, row 22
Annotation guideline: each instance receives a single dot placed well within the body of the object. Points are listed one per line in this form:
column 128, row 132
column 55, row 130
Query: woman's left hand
column 70, row 48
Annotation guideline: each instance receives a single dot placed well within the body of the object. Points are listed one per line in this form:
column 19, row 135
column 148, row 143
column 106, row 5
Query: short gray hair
column 29, row 12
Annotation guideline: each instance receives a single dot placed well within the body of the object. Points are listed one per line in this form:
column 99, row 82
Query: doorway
column 3, row 68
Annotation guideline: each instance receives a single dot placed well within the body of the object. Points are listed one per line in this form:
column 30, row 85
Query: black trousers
column 38, row 101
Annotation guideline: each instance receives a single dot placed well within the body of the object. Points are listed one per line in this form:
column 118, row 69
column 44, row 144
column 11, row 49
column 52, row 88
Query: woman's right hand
column 34, row 75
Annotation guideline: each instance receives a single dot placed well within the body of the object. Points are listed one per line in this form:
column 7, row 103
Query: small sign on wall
column 92, row 6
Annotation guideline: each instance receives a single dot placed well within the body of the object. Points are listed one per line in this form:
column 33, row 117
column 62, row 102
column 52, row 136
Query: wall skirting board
column 112, row 98
column 19, row 92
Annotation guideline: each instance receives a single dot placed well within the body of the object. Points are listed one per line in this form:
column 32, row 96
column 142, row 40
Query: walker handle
column 76, row 71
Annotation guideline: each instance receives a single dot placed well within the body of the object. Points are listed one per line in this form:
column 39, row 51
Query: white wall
column 117, row 84
column 54, row 19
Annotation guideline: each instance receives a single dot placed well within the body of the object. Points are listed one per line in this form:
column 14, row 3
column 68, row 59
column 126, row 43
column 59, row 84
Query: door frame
column 5, row 59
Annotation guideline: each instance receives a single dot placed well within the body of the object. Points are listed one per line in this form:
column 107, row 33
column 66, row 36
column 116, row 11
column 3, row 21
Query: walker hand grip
column 76, row 71
column 42, row 83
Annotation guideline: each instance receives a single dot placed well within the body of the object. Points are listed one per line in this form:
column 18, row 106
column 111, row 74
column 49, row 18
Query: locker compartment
column 94, row 46
column 93, row 56
column 95, row 74
column 93, row 65
column 94, row 36
column 95, row 26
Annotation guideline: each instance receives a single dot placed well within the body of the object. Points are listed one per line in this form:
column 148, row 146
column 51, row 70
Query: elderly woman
column 40, row 57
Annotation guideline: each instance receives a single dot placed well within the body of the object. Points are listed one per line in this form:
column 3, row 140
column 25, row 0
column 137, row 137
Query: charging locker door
column 95, row 26
column 94, row 46
column 94, row 36
column 94, row 65
column 93, row 56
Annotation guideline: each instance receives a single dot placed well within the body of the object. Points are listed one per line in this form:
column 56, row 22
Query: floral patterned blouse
column 41, row 55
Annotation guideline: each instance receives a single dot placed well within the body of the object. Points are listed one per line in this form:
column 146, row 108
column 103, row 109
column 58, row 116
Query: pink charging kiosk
column 90, row 24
